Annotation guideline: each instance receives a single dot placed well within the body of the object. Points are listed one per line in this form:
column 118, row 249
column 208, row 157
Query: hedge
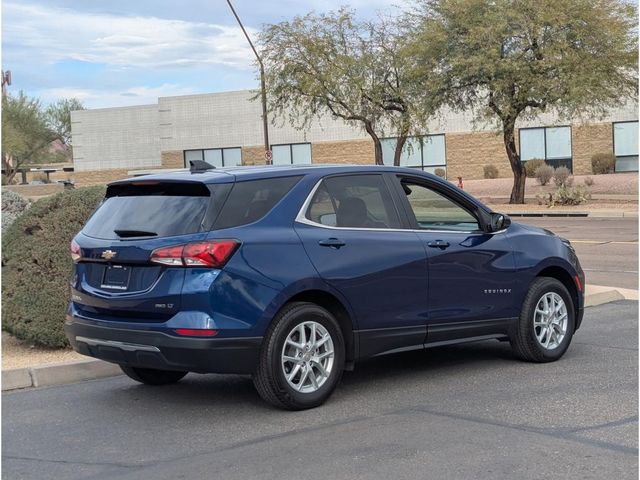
column 13, row 205
column 36, row 265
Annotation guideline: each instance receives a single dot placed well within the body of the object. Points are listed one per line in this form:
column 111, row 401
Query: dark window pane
column 322, row 208
column 152, row 210
column 358, row 201
column 626, row 164
column 251, row 200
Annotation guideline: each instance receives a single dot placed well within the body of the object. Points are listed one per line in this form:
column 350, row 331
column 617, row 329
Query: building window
column 291, row 153
column 218, row 157
column 426, row 153
column 551, row 144
column 625, row 146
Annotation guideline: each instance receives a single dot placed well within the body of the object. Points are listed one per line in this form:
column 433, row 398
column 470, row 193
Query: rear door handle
column 332, row 242
column 438, row 244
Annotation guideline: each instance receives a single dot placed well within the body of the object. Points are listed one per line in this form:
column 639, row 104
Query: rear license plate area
column 116, row 277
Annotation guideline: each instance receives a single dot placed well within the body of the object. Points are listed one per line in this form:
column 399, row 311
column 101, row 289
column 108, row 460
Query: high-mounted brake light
column 75, row 251
column 212, row 254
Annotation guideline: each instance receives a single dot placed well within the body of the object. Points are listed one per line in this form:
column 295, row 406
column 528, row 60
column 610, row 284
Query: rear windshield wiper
column 135, row 233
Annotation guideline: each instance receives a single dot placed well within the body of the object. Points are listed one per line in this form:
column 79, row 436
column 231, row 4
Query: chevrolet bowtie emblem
column 108, row 254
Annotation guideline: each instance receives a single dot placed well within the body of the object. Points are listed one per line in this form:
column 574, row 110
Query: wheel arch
column 333, row 305
column 563, row 276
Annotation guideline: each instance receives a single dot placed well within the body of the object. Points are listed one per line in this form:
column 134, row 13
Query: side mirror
column 499, row 221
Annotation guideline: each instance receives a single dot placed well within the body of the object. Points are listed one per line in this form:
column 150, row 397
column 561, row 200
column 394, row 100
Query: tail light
column 212, row 254
column 75, row 251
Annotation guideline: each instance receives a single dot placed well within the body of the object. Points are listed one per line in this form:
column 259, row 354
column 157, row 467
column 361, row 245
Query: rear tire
column 302, row 358
column 150, row 376
column 546, row 324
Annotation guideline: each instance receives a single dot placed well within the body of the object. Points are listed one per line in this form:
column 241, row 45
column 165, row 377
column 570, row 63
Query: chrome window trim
column 302, row 218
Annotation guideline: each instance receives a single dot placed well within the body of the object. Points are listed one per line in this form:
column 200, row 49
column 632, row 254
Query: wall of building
column 155, row 136
column 588, row 139
column 114, row 138
column 349, row 151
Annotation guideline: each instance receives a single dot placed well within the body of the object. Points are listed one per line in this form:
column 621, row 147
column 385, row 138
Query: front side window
column 434, row 211
column 353, row 201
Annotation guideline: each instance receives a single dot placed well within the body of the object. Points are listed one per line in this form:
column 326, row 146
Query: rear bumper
column 152, row 349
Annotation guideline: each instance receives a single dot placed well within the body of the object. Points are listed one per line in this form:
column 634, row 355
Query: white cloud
column 49, row 35
column 114, row 98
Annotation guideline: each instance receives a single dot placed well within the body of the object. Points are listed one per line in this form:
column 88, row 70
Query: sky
column 129, row 52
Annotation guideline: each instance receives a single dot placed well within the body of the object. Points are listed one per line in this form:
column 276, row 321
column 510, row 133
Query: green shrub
column 543, row 174
column 603, row 163
column 589, row 182
column 441, row 172
column 566, row 196
column 491, row 171
column 13, row 204
column 36, row 266
column 562, row 177
column 532, row 165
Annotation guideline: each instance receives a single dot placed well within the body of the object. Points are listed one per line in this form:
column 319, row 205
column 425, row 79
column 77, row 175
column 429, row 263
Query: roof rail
column 198, row 166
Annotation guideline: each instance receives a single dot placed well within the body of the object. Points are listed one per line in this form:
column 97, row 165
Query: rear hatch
column 114, row 278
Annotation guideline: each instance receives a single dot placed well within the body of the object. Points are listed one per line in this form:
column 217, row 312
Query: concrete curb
column 598, row 295
column 57, row 374
column 82, row 370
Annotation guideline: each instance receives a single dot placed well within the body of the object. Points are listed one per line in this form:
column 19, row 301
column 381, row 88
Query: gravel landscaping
column 17, row 354
column 614, row 184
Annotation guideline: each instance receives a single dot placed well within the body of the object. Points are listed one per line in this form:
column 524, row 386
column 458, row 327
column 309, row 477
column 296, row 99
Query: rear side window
column 353, row 201
column 150, row 210
column 249, row 201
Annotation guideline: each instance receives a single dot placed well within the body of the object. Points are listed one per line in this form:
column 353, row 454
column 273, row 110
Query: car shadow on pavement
column 237, row 391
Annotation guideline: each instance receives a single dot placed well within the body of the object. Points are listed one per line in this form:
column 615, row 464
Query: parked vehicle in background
column 294, row 274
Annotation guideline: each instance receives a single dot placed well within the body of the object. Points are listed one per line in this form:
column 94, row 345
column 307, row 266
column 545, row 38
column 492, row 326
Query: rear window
column 249, row 201
column 150, row 210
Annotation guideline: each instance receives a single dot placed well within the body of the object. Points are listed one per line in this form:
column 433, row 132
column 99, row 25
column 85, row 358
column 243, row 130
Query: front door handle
column 441, row 244
column 332, row 242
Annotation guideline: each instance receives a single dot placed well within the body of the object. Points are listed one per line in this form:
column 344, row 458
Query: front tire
column 302, row 358
column 546, row 324
column 151, row 376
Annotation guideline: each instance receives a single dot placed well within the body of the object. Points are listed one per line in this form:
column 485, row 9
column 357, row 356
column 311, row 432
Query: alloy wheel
column 550, row 320
column 307, row 356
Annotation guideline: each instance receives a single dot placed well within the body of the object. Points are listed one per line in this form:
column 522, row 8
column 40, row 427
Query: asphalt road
column 607, row 247
column 468, row 411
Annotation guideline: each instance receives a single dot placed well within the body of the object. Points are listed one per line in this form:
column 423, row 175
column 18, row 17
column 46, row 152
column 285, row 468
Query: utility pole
column 265, row 123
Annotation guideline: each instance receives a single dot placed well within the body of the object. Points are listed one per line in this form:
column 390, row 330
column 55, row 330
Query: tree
column 332, row 64
column 58, row 116
column 512, row 59
column 26, row 135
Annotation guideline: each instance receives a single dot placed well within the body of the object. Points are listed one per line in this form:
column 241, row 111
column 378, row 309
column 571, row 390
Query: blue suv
column 294, row 274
